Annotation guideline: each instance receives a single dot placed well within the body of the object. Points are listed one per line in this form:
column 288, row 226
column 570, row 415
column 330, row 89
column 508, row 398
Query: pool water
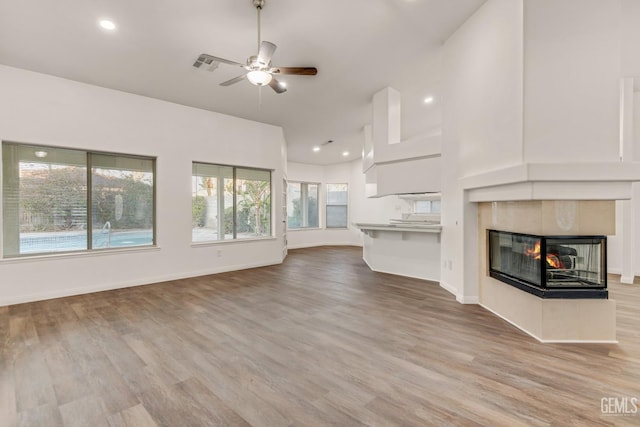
column 77, row 240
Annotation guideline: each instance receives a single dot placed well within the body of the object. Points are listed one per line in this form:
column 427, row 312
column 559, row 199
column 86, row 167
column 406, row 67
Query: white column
column 627, row 119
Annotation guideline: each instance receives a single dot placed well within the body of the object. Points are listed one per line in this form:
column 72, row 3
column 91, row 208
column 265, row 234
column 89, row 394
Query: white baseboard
column 447, row 287
column 462, row 299
column 40, row 296
column 316, row 244
column 627, row 280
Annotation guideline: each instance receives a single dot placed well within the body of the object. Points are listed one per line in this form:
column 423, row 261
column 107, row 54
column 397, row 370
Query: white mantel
column 554, row 181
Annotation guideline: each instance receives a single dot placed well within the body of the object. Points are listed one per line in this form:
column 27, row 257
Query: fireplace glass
column 550, row 266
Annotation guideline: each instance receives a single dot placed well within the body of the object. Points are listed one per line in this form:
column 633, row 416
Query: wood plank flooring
column 320, row 340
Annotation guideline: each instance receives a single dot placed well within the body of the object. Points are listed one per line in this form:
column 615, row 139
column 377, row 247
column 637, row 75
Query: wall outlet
column 219, row 253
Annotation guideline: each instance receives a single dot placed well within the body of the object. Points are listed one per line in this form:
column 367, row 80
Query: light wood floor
column 319, row 340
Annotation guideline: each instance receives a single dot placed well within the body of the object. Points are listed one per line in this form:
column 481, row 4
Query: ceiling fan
column 259, row 69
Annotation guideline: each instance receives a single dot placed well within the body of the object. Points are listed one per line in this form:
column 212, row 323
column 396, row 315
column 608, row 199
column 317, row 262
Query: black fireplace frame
column 542, row 290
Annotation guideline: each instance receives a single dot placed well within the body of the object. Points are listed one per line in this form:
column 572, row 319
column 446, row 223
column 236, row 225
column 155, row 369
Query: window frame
column 88, row 192
column 307, row 183
column 234, row 206
column 327, row 204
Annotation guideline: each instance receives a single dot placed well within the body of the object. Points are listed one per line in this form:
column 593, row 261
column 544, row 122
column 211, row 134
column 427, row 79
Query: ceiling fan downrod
column 258, row 4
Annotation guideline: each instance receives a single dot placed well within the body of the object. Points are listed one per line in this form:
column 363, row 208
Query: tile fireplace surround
column 548, row 320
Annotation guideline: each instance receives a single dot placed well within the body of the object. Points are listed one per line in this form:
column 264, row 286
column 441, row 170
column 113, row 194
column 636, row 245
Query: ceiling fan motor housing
column 255, row 64
column 259, row 71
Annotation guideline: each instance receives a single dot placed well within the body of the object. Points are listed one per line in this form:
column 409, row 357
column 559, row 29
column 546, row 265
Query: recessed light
column 428, row 100
column 40, row 153
column 316, row 149
column 107, row 24
column 345, row 153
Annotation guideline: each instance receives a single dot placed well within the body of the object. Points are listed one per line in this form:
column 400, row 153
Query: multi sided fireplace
column 568, row 267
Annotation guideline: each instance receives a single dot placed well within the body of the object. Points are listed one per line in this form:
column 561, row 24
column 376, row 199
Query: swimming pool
column 65, row 241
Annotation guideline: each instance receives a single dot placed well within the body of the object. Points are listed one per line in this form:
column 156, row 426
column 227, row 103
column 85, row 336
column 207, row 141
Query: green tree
column 294, row 219
column 137, row 202
column 198, row 211
column 54, row 199
column 255, row 200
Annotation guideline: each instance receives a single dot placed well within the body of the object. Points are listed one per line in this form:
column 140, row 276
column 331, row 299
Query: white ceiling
column 358, row 46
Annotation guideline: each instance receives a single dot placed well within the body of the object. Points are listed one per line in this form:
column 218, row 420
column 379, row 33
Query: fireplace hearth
column 569, row 267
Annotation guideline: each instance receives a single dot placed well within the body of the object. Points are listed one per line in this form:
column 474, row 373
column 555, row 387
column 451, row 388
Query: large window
column 230, row 202
column 302, row 205
column 61, row 200
column 337, row 199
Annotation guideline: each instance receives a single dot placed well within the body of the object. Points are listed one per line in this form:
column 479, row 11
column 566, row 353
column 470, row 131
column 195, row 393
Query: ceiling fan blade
column 207, row 59
column 233, row 80
column 301, row 71
column 277, row 86
column 266, row 52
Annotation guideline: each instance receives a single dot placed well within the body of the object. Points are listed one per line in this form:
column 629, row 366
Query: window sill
column 79, row 254
column 304, row 229
column 228, row 242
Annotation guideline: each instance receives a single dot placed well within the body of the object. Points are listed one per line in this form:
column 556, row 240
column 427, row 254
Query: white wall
column 482, row 127
column 572, row 72
column 361, row 208
column 630, row 37
column 482, row 69
column 46, row 110
column 628, row 228
column 631, row 68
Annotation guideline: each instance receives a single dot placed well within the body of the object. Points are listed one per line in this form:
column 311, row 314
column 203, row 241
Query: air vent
column 209, row 63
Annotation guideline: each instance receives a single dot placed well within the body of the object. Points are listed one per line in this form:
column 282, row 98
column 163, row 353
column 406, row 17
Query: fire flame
column 535, row 251
column 552, row 259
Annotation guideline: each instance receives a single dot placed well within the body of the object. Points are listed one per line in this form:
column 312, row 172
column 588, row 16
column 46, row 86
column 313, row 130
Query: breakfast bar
column 406, row 249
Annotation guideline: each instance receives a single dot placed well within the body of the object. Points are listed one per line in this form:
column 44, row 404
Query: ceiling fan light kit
column 259, row 69
column 259, row 78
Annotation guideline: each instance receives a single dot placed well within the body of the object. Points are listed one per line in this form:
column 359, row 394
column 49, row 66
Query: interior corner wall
column 322, row 236
column 482, row 126
column 572, row 71
column 42, row 109
column 360, row 208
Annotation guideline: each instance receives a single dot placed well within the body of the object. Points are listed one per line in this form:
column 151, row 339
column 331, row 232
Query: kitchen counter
column 411, row 227
column 409, row 249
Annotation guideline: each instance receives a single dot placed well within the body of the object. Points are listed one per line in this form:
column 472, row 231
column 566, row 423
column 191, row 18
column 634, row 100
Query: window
column 337, row 199
column 230, row 202
column 426, row 206
column 46, row 192
column 302, row 205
